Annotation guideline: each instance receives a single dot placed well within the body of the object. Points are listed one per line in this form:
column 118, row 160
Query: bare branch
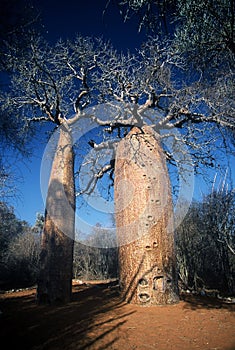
column 105, row 144
column 93, row 180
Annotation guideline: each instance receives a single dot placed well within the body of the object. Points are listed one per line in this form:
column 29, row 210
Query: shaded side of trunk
column 144, row 220
column 56, row 259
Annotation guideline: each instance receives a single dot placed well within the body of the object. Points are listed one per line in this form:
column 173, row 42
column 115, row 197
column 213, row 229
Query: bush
column 92, row 260
column 22, row 260
column 19, row 250
column 206, row 244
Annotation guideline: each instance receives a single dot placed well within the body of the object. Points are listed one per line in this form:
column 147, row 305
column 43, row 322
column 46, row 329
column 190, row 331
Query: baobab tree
column 55, row 84
column 203, row 32
column 144, row 220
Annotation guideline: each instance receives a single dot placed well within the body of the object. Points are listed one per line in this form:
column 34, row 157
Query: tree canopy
column 157, row 85
column 203, row 32
column 18, row 20
column 55, row 83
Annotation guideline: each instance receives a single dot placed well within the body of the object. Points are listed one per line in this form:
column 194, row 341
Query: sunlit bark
column 144, row 220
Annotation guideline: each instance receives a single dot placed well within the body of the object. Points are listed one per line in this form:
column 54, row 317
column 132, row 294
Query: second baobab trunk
column 144, row 220
column 56, row 259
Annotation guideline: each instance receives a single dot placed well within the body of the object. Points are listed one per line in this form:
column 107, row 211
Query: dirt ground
column 97, row 319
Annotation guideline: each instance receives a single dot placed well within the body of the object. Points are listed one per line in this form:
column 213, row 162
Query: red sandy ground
column 96, row 319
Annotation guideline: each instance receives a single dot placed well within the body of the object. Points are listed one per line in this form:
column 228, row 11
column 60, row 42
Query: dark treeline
column 205, row 243
column 19, row 249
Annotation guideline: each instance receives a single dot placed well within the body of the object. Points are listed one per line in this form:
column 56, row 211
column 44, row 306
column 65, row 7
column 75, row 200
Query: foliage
column 203, row 29
column 10, row 226
column 152, row 15
column 17, row 20
column 205, row 35
column 22, row 260
column 19, row 250
column 203, row 32
column 38, row 226
column 96, row 257
column 206, row 244
column 208, row 28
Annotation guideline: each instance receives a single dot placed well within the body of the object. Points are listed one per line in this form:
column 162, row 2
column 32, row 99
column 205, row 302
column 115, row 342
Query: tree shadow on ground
column 195, row 302
column 77, row 325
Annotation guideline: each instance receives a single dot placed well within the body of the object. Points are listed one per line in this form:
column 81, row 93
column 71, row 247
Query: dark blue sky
column 90, row 18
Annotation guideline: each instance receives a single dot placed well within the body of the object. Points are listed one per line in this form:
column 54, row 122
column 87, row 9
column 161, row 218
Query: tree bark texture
column 144, row 220
column 56, row 259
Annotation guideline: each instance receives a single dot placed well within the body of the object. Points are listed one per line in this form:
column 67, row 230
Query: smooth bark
column 144, row 220
column 56, row 260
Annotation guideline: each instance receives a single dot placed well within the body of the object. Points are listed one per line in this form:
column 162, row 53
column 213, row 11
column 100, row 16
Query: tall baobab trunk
column 144, row 220
column 56, row 260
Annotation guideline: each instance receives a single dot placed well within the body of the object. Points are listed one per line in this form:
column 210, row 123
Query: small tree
column 219, row 222
column 10, row 226
column 22, row 259
column 19, row 250
column 205, row 244
column 17, row 20
column 96, row 256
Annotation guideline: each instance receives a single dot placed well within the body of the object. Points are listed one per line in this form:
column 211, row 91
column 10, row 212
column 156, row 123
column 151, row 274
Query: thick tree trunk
column 56, row 260
column 144, row 220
